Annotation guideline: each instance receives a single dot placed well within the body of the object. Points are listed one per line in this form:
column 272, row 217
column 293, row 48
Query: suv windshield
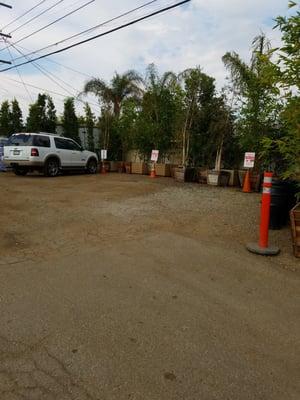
column 20, row 140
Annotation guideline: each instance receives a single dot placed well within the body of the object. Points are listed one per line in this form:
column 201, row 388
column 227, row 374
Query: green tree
column 51, row 120
column 286, row 73
column 37, row 114
column 16, row 117
column 5, row 119
column 258, row 97
column 109, row 136
column 89, row 121
column 125, row 126
column 121, row 87
column 156, row 121
column 42, row 115
column 198, row 92
column 70, row 120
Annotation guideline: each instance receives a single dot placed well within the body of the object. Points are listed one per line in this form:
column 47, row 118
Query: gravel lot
column 123, row 287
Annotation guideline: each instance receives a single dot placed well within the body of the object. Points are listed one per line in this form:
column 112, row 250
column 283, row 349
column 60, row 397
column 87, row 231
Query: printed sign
column 249, row 160
column 103, row 154
column 154, row 155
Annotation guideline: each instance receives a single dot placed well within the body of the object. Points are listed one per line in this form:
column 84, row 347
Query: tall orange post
column 263, row 247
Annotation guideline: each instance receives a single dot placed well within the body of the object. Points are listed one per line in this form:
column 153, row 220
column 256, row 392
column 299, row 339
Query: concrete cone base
column 264, row 251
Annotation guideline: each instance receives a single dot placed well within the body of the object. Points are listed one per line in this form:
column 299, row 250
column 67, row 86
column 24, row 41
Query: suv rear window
column 20, row 140
column 29, row 140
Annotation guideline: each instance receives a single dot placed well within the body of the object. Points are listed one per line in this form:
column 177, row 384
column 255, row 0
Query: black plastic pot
column 282, row 200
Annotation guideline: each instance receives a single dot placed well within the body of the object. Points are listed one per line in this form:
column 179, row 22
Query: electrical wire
column 101, row 34
column 55, row 78
column 60, row 64
column 54, row 22
column 20, row 76
column 23, row 15
column 46, row 91
column 36, row 16
column 91, row 29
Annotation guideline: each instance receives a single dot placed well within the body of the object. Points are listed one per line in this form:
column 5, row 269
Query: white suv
column 47, row 153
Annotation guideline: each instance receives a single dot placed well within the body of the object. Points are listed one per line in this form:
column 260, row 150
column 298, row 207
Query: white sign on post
column 154, row 155
column 103, row 154
column 249, row 160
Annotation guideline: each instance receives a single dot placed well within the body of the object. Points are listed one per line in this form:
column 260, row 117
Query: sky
column 198, row 33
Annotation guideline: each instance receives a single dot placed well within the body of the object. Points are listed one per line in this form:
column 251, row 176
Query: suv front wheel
column 92, row 166
column 51, row 167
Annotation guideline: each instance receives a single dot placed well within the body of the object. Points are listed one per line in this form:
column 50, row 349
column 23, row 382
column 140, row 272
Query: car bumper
column 23, row 163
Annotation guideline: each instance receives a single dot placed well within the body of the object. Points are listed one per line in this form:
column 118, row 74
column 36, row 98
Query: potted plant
column 139, row 168
column 163, row 169
column 127, row 167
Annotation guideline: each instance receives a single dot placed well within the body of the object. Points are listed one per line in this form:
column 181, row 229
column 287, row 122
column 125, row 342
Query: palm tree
column 250, row 85
column 121, row 87
column 155, row 84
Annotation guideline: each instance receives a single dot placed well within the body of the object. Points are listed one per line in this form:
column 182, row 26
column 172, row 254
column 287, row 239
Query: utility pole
column 4, row 34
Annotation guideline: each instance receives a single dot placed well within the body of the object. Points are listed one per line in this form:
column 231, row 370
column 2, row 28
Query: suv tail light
column 34, row 152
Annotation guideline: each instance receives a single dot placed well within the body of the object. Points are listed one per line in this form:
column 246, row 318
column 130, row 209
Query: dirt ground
column 124, row 287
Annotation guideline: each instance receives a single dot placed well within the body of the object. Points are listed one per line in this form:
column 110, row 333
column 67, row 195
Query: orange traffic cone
column 247, row 183
column 102, row 169
column 152, row 172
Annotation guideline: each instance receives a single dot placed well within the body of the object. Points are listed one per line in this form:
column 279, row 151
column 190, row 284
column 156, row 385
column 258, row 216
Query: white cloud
column 197, row 34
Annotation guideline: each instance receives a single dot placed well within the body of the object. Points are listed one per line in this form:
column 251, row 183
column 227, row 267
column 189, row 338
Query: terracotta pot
column 121, row 167
column 202, row 175
column 139, row 168
column 172, row 169
column 113, row 166
column 163, row 169
column 128, row 167
column 179, row 174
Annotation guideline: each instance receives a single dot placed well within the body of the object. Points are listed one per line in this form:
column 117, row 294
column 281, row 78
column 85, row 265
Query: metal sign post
column 103, row 158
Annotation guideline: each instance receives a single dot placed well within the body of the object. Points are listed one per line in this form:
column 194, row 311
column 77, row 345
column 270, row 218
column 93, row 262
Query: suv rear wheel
column 92, row 166
column 51, row 167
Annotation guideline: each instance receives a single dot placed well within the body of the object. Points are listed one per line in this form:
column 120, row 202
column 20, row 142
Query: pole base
column 263, row 251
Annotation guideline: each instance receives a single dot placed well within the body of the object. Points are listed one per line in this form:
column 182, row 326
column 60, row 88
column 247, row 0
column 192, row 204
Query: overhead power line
column 57, row 63
column 101, row 34
column 50, row 91
column 19, row 73
column 35, row 87
column 54, row 22
column 23, row 15
column 55, row 79
column 90, row 29
column 5, row 62
column 5, row 5
column 5, row 35
column 36, row 16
